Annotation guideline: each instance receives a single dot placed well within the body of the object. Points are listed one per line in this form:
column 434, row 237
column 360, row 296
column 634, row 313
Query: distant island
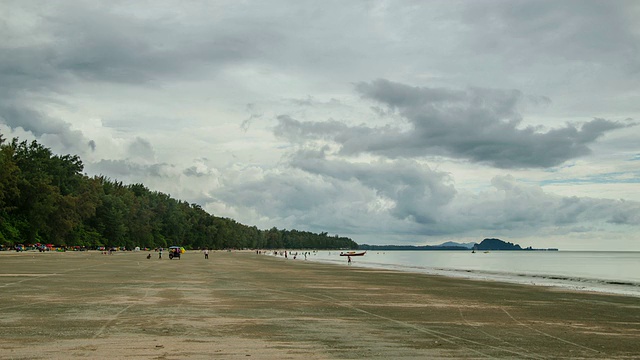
column 497, row 244
column 484, row 245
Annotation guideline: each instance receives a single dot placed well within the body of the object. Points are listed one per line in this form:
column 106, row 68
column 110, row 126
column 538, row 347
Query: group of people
column 295, row 255
column 176, row 253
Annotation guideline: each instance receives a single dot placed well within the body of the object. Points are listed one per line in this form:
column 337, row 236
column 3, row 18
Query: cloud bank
column 478, row 125
column 394, row 122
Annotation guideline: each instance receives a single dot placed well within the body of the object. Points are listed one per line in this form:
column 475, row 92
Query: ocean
column 606, row 272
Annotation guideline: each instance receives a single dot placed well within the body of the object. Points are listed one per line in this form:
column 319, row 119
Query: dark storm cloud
column 576, row 30
column 28, row 75
column 74, row 43
column 100, row 42
column 16, row 116
column 479, row 125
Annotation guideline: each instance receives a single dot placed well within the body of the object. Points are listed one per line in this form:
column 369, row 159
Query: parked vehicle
column 175, row 252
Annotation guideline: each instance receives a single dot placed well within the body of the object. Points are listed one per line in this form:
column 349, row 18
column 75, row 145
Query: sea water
column 608, row 272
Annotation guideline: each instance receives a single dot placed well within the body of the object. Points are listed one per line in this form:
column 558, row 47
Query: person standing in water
column 349, row 260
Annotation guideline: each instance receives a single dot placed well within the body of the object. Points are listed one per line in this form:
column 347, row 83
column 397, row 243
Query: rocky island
column 497, row 244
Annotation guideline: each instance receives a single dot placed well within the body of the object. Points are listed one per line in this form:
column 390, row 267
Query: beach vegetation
column 46, row 199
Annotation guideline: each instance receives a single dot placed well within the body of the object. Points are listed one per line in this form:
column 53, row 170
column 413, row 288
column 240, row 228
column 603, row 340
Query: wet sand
column 240, row 305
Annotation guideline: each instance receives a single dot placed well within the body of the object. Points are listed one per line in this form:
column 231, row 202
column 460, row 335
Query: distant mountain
column 453, row 243
column 486, row 244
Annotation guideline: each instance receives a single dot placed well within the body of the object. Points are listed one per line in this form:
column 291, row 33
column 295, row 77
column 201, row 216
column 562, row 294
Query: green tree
column 9, row 195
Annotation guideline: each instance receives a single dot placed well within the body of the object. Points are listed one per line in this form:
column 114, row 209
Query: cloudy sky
column 391, row 122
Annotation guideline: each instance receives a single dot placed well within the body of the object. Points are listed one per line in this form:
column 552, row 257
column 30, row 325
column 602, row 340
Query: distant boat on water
column 352, row 253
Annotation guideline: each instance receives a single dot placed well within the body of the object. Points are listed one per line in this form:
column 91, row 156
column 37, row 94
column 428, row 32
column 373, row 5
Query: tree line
column 45, row 198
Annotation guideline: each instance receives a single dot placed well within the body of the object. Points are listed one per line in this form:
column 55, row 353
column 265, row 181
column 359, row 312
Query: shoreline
column 578, row 284
column 240, row 304
column 574, row 282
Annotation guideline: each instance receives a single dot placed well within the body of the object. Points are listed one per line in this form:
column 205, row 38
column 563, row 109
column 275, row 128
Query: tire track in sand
column 548, row 335
column 454, row 340
column 533, row 356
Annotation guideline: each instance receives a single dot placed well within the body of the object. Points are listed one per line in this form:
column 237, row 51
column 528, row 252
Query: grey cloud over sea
column 478, row 125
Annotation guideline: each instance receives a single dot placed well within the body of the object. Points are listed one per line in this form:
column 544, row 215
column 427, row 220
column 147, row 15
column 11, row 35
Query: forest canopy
column 45, row 198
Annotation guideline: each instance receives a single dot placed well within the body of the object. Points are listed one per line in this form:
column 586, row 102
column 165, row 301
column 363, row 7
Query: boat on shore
column 352, row 253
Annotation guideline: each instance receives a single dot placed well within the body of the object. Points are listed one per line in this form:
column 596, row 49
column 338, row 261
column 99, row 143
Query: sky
column 390, row 122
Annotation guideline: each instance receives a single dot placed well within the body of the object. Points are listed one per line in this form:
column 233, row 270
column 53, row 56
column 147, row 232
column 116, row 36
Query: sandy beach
column 240, row 305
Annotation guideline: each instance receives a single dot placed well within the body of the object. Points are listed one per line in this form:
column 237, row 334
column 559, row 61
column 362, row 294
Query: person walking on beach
column 160, row 254
column 349, row 260
column 206, row 253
